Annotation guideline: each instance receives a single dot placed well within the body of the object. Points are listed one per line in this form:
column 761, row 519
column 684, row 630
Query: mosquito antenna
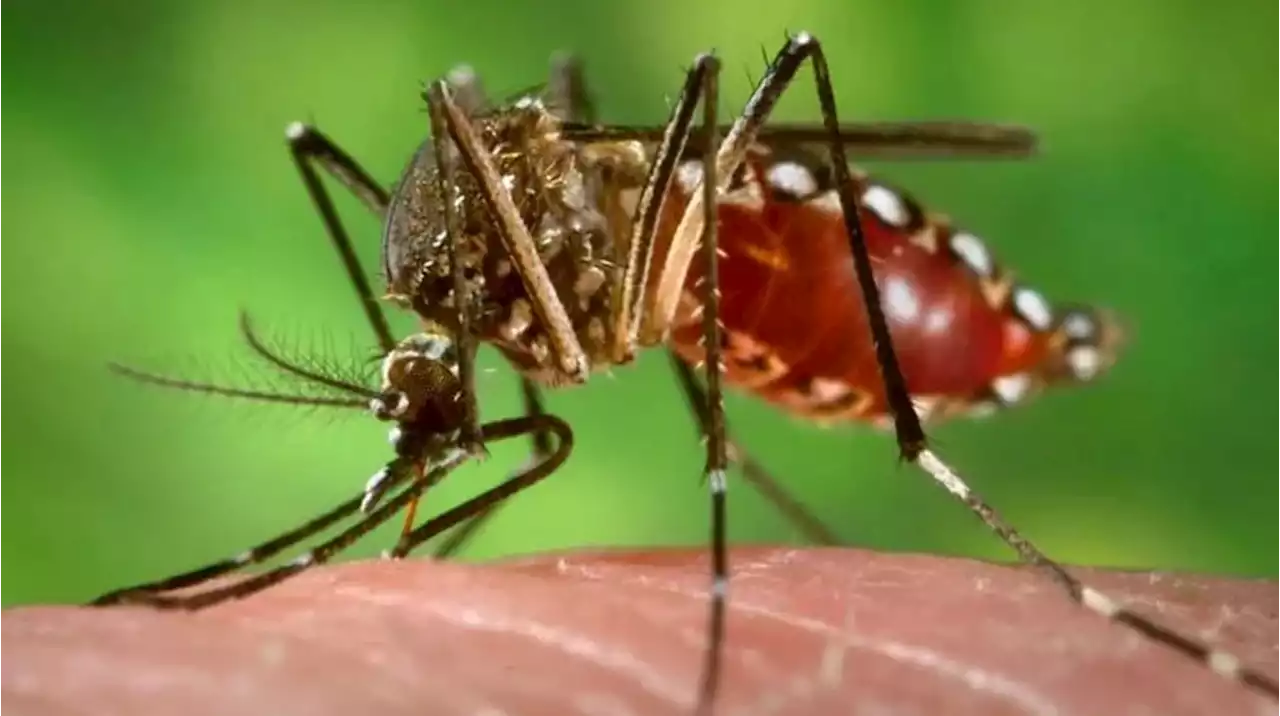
column 260, row 348
column 258, row 395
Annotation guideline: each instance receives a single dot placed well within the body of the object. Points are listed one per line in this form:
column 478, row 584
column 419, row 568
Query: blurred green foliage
column 151, row 197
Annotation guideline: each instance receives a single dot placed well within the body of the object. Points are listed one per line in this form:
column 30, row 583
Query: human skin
column 811, row 631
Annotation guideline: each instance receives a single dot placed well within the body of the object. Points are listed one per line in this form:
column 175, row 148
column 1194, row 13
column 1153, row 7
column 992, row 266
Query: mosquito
column 570, row 246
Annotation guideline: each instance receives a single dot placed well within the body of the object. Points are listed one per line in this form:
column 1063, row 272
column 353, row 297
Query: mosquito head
column 420, row 387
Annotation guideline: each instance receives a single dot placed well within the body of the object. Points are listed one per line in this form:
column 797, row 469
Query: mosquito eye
column 391, row 405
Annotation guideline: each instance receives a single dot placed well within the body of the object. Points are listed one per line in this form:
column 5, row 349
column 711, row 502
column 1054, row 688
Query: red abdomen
column 796, row 332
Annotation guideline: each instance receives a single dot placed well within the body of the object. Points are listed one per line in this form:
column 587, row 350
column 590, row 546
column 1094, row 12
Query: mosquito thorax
column 564, row 199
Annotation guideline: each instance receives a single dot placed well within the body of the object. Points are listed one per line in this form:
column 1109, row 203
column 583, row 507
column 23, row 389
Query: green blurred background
column 151, row 196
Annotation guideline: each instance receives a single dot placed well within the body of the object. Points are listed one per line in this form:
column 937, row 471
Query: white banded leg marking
column 374, row 489
column 1221, row 662
column 943, row 474
column 716, row 482
column 304, row 560
column 718, row 485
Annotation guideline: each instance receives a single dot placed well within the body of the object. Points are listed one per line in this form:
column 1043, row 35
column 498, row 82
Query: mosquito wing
column 865, row 140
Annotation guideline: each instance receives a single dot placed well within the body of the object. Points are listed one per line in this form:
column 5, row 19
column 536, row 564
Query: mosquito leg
column 460, row 537
column 658, row 310
column 309, row 147
column 436, row 97
column 399, row 470
column 532, row 425
column 628, row 304
column 791, row 508
column 154, row 593
column 717, row 448
column 517, row 241
column 568, row 89
column 271, row 547
column 568, row 94
column 910, row 434
column 321, row 553
column 533, row 409
column 874, row 140
column 262, row 552
column 468, row 90
column 701, row 86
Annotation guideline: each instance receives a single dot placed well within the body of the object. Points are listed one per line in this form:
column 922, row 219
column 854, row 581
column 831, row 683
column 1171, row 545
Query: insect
column 570, row 246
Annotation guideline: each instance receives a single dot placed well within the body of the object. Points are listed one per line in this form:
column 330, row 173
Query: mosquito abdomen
column 968, row 337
